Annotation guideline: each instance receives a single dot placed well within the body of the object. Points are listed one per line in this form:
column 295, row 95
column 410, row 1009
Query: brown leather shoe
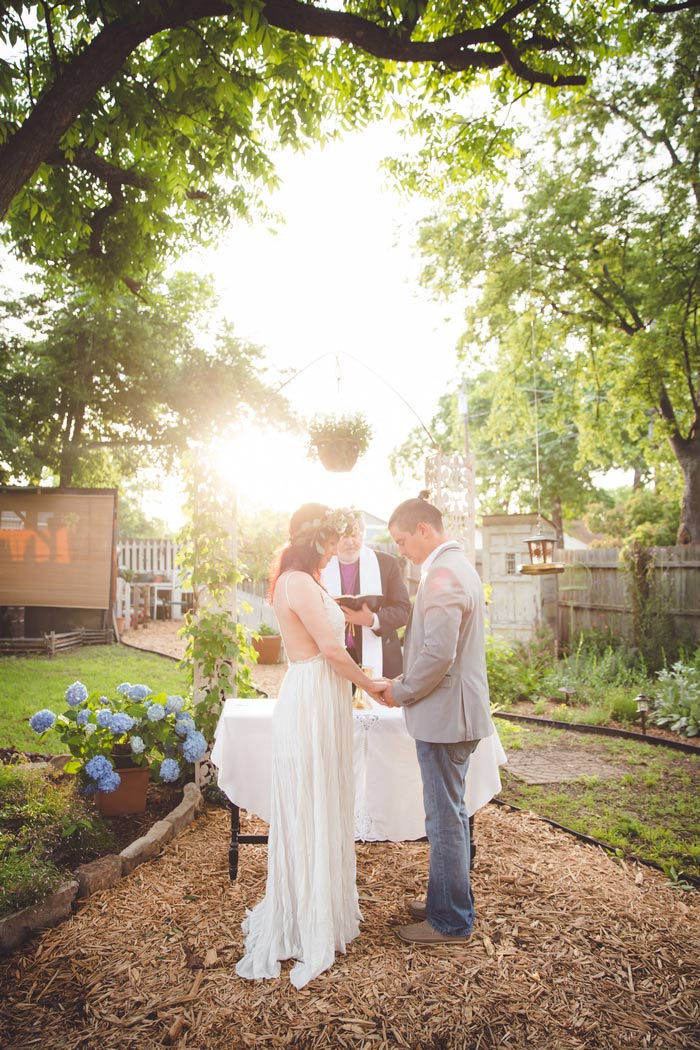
column 424, row 933
column 417, row 909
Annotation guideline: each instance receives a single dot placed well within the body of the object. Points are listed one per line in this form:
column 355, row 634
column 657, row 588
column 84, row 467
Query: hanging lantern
column 541, row 549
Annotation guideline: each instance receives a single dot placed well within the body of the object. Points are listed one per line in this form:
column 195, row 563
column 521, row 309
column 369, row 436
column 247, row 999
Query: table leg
column 233, row 848
column 237, row 838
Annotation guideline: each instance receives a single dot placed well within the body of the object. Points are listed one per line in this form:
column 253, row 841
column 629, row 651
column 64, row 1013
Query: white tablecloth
column 388, row 791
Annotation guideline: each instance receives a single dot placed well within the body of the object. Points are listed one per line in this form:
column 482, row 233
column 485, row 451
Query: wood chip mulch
column 571, row 950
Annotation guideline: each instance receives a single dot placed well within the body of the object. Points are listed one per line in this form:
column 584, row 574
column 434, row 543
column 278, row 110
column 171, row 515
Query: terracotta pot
column 129, row 797
column 268, row 648
column 338, row 454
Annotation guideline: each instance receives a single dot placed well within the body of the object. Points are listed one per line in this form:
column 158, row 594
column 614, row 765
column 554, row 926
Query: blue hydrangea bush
column 136, row 727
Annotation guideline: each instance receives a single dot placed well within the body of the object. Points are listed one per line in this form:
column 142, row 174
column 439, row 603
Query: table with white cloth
column 388, row 789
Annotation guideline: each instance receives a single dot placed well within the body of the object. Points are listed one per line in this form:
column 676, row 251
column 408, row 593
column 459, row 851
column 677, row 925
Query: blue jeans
column 450, row 902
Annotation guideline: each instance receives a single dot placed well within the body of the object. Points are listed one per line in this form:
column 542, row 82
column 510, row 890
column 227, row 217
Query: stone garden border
column 99, row 874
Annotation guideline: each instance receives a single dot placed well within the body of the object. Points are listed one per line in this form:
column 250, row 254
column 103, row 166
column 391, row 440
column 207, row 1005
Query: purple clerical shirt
column 349, row 575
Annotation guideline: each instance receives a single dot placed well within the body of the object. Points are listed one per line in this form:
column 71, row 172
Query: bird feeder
column 541, row 550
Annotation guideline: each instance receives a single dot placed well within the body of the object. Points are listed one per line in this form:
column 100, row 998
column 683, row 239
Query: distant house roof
column 373, row 521
column 579, row 535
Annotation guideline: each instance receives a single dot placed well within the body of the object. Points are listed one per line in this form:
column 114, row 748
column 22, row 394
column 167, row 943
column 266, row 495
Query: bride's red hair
column 300, row 555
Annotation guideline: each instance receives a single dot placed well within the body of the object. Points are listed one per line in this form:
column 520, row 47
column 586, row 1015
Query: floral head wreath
column 314, row 533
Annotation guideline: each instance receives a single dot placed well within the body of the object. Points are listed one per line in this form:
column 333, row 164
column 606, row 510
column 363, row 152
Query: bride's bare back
column 301, row 613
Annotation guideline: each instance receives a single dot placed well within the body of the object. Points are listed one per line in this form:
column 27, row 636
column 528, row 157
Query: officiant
column 371, row 637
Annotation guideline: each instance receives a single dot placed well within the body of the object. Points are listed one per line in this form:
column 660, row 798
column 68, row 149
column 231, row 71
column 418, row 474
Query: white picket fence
column 136, row 598
column 158, row 558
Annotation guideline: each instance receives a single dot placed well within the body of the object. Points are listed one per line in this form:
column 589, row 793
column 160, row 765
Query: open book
column 356, row 601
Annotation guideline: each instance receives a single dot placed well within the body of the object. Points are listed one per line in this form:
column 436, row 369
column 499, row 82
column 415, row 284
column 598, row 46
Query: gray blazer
column 444, row 690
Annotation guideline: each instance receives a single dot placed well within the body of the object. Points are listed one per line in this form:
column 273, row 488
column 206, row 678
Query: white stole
column 370, row 582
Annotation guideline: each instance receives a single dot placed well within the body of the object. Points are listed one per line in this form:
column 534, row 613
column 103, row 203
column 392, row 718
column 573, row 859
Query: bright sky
column 338, row 278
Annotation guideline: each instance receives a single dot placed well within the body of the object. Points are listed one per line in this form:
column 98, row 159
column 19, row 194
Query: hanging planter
column 338, row 441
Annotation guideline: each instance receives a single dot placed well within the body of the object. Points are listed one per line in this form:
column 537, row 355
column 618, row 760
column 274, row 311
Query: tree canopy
column 128, row 125
column 598, row 239
column 102, row 386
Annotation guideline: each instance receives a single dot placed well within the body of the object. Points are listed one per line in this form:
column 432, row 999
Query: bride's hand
column 377, row 690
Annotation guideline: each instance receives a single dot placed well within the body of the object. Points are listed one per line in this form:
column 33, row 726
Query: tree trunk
column 687, row 451
column 558, row 520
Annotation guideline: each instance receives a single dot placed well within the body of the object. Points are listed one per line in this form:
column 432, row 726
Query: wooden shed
column 519, row 604
column 57, row 560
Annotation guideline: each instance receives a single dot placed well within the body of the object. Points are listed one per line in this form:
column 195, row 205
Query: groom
column 445, row 697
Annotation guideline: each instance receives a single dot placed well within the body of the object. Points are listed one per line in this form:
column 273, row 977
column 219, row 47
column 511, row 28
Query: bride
column 310, row 909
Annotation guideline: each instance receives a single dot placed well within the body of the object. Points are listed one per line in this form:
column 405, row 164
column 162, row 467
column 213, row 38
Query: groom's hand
column 387, row 697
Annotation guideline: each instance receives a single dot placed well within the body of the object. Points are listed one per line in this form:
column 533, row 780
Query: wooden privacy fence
column 595, row 590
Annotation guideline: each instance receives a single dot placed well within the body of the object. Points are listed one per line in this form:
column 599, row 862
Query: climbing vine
column 218, row 653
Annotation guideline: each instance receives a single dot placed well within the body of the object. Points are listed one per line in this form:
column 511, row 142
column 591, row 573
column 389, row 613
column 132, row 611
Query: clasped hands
column 382, row 692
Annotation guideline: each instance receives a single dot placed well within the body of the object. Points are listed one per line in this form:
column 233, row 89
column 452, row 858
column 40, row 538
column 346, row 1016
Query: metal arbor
column 449, row 477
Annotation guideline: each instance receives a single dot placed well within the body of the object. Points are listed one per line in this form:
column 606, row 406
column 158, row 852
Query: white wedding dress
column 310, row 909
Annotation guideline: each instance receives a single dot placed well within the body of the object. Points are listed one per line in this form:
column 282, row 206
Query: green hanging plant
column 338, row 441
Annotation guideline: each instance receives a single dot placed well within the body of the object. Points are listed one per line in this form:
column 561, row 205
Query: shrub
column 622, row 707
column 46, row 830
column 135, row 727
column 516, row 671
column 676, row 699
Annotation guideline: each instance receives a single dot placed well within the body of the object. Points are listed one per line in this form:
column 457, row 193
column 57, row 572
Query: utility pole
column 463, row 405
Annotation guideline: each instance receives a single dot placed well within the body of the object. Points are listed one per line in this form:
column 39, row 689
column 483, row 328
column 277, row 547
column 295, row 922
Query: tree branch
column 664, row 9
column 82, row 77
column 52, row 43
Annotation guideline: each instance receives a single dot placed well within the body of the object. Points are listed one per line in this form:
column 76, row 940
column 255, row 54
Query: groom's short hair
column 411, row 512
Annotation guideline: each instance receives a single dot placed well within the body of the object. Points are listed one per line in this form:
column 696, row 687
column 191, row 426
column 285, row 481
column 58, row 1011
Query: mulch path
column 571, row 950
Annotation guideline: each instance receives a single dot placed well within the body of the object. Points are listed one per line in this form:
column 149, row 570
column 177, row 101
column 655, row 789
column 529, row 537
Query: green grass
column 29, row 683
column 652, row 810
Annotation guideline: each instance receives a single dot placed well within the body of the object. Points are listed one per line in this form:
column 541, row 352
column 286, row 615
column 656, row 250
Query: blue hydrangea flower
column 42, row 720
column 109, row 782
column 169, row 770
column 83, row 717
column 194, row 746
column 139, row 692
column 75, row 694
column 156, row 712
column 104, row 718
column 174, row 704
column 137, row 745
column 184, row 724
column 98, row 768
column 88, row 790
column 90, row 728
column 124, row 687
column 121, row 723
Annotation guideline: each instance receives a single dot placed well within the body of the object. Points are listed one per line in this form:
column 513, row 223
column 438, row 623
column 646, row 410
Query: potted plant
column 338, row 440
column 267, row 643
column 118, row 742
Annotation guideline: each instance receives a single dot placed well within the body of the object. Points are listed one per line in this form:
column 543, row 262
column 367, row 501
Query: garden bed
column 554, row 710
column 47, row 831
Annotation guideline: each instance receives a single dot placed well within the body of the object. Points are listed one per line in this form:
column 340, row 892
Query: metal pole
column 463, row 404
